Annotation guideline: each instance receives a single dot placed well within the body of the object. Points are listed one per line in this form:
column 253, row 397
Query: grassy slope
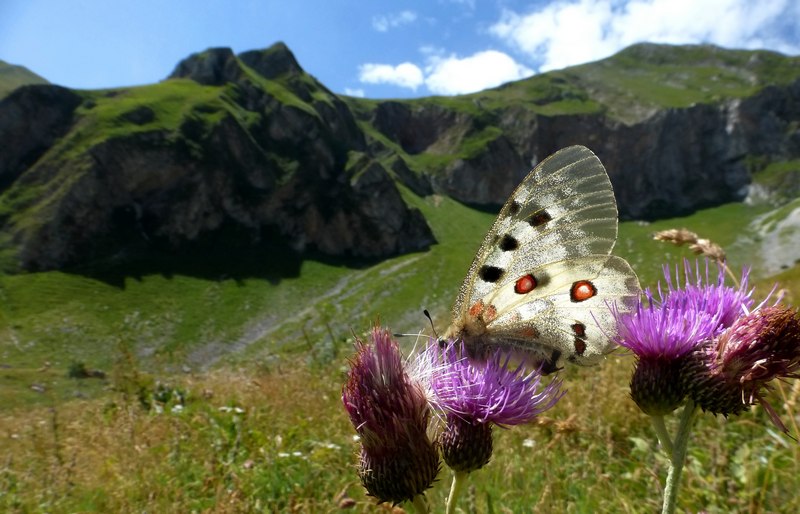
column 12, row 76
column 62, row 318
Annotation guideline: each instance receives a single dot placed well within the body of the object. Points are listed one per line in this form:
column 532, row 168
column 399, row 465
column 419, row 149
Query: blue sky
column 377, row 49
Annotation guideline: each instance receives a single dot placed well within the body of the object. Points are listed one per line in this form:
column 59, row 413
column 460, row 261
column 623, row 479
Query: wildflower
column 663, row 333
column 726, row 303
column 731, row 373
column 476, row 396
column 391, row 414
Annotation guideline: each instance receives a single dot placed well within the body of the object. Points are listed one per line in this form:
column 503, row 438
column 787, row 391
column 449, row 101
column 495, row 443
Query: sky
column 373, row 48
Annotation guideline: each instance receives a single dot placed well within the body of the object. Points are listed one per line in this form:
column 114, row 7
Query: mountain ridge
column 249, row 148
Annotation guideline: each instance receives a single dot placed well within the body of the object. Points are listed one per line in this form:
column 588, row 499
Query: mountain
column 228, row 154
column 668, row 123
column 245, row 151
column 13, row 76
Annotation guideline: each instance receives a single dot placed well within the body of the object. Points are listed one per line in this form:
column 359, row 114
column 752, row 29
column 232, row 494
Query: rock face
column 671, row 163
column 32, row 119
column 242, row 150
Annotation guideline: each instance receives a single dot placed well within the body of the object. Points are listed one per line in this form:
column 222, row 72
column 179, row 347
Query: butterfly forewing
column 542, row 281
column 563, row 208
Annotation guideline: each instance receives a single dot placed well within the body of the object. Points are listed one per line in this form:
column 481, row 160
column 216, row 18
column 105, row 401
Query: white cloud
column 388, row 21
column 407, row 75
column 571, row 32
column 354, row 92
column 448, row 75
column 453, row 75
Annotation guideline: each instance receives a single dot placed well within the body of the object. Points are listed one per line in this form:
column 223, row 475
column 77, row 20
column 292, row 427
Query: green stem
column 678, row 457
column 420, row 505
column 661, row 432
column 459, row 479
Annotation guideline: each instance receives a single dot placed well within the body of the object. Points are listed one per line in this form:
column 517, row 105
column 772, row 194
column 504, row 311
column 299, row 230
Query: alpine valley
column 184, row 266
column 161, row 201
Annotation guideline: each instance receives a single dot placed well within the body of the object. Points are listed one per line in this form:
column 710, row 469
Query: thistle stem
column 420, row 505
column 661, row 432
column 678, row 458
column 459, row 479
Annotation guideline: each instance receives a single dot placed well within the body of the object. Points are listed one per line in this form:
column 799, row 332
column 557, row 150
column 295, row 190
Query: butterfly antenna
column 428, row 315
column 433, row 329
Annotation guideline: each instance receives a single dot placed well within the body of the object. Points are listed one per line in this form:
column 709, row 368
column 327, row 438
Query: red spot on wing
column 579, row 329
column 582, row 290
column 525, row 284
column 580, row 346
column 530, row 332
column 476, row 309
column 490, row 313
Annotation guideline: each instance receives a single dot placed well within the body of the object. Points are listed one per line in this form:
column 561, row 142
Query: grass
column 277, row 440
column 12, row 77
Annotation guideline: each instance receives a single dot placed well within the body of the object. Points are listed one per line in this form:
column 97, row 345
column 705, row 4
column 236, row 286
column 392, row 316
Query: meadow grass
column 277, row 440
column 263, row 430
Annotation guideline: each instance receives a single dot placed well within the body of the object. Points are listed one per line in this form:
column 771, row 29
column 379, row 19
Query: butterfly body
column 543, row 280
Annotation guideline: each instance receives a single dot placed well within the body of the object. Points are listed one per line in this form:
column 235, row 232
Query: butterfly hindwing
column 542, row 281
column 567, row 311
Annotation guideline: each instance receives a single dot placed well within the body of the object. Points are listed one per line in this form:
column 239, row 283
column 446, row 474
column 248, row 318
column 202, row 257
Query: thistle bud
column 391, row 414
column 730, row 374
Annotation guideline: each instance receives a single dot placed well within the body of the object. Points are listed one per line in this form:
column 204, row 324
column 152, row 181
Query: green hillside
column 12, row 76
column 634, row 82
column 628, row 86
column 171, row 320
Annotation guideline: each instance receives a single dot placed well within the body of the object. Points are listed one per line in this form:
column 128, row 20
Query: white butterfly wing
column 559, row 318
column 557, row 229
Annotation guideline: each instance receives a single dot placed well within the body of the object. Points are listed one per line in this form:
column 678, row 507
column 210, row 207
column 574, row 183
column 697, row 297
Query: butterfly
column 544, row 280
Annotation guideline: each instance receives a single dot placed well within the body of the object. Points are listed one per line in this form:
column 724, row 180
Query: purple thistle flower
column 489, row 392
column 665, row 332
column 726, row 304
column 391, row 415
column 476, row 395
column 731, row 373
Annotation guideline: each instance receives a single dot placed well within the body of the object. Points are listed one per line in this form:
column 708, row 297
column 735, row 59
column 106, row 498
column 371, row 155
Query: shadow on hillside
column 274, row 262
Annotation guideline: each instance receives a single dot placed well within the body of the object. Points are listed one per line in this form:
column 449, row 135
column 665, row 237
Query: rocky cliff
column 219, row 154
column 246, row 150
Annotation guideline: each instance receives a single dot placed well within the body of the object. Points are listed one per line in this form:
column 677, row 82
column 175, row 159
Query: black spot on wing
column 579, row 329
column 508, row 243
column 579, row 343
column 490, row 273
column 539, row 218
